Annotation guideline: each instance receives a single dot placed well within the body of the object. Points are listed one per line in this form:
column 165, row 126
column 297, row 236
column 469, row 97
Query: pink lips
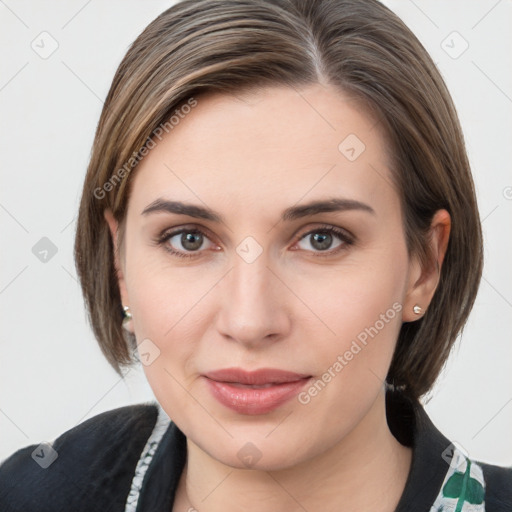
column 256, row 392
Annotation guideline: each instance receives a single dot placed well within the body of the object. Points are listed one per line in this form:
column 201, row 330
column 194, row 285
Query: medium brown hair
column 358, row 46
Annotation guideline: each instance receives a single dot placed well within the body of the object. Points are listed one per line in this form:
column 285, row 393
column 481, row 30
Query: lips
column 255, row 392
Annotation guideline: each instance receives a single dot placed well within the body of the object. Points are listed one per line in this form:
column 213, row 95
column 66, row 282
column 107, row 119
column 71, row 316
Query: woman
column 279, row 221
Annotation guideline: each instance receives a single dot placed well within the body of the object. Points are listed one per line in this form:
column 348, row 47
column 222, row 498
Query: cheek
column 163, row 295
column 164, row 321
column 173, row 306
column 351, row 298
column 360, row 308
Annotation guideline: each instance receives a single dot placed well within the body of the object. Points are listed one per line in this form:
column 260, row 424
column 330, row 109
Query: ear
column 423, row 281
column 113, row 225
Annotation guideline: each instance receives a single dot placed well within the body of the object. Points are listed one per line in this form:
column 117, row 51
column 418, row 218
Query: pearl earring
column 417, row 309
column 127, row 318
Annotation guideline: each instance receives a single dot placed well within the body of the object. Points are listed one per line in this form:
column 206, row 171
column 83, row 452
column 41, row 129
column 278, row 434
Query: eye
column 190, row 242
column 186, row 242
column 326, row 239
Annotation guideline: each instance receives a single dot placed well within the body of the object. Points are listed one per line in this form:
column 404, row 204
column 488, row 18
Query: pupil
column 322, row 241
column 191, row 241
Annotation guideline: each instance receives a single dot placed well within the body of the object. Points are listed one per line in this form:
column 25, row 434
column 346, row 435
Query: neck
column 366, row 470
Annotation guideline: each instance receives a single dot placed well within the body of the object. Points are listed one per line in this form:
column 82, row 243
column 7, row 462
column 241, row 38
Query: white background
column 52, row 374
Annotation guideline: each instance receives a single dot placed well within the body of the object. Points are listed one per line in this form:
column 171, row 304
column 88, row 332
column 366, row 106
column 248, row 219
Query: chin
column 256, row 454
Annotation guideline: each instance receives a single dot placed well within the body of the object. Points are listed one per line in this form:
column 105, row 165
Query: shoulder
column 498, row 487
column 88, row 467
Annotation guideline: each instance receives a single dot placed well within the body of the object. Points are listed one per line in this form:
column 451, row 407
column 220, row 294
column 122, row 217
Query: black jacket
column 136, row 455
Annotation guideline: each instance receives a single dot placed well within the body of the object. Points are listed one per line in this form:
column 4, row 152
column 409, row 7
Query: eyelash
column 346, row 239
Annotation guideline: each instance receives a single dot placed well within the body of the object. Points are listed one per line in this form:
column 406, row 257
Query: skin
column 295, row 307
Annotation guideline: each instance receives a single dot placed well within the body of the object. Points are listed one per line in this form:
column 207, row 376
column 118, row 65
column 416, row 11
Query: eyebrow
column 161, row 205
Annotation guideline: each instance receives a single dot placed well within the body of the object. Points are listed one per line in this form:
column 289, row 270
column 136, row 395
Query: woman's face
column 264, row 232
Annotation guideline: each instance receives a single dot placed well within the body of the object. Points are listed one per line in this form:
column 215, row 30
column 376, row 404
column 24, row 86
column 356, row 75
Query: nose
column 253, row 304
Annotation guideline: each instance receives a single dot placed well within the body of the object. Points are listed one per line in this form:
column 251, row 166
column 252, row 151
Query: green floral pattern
column 463, row 489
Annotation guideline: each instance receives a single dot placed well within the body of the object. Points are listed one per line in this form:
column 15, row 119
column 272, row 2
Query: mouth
column 252, row 386
column 256, row 392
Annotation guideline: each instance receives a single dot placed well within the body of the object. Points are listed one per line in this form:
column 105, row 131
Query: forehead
column 267, row 150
